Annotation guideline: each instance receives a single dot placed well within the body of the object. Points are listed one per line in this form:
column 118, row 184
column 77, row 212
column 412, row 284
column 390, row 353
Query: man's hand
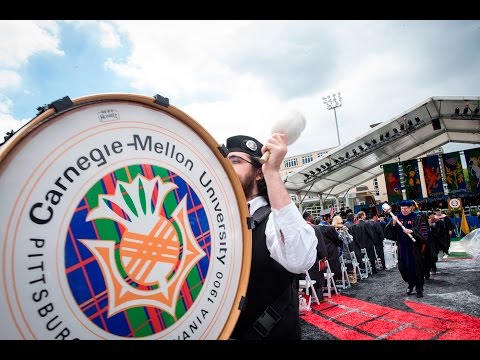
column 277, row 192
column 277, row 146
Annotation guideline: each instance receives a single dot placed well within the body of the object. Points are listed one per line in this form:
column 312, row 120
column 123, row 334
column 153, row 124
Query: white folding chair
column 329, row 277
column 395, row 253
column 356, row 267
column 307, row 284
column 378, row 261
column 345, row 282
column 390, row 252
column 367, row 265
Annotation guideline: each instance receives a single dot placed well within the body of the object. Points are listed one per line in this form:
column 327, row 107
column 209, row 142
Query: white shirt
column 291, row 241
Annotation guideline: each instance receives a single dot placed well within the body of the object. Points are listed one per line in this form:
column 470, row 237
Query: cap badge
column 252, row 145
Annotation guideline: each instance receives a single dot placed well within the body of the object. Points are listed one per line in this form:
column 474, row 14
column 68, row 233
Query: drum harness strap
column 273, row 313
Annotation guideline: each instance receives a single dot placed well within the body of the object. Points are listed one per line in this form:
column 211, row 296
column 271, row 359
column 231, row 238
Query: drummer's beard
column 249, row 185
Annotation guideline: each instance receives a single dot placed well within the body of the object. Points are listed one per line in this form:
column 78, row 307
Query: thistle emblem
column 153, row 251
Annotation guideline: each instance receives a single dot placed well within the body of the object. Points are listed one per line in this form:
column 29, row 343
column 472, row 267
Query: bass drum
column 121, row 218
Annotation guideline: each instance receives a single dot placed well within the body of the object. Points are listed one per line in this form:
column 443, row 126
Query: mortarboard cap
column 405, row 203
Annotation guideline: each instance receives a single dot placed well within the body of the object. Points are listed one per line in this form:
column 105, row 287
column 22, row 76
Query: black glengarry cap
column 246, row 144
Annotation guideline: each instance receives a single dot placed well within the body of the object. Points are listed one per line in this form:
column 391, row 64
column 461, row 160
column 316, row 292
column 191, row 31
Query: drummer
column 283, row 244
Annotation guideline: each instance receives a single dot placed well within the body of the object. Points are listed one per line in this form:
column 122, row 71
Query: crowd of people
column 420, row 238
column 343, row 238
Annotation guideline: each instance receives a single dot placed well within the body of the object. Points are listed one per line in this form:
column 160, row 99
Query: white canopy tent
column 428, row 125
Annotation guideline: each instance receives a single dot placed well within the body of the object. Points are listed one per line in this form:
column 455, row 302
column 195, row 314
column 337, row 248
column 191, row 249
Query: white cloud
column 108, row 37
column 253, row 108
column 184, row 58
column 19, row 39
column 9, row 79
column 7, row 121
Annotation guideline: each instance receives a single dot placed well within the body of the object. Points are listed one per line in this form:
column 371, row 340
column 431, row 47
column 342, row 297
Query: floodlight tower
column 333, row 102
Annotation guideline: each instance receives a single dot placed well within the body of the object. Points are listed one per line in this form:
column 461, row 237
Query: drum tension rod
column 59, row 105
column 7, row 136
column 223, row 150
column 160, row 100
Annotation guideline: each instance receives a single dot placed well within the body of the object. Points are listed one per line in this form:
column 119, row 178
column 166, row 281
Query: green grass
column 460, row 255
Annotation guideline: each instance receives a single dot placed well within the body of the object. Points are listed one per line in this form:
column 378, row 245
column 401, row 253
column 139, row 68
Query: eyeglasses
column 235, row 159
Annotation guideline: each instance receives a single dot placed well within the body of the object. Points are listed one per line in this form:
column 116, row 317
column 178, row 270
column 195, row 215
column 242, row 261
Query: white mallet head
column 292, row 125
column 387, row 208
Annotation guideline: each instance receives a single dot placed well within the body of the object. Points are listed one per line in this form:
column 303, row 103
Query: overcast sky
column 239, row 77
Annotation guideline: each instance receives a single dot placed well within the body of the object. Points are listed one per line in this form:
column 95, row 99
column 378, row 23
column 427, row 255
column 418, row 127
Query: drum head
column 121, row 218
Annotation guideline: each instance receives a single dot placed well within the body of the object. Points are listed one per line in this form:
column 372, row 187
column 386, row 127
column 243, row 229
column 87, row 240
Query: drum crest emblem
column 155, row 254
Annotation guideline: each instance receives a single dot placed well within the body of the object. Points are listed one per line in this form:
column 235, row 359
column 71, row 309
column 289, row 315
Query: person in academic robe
column 410, row 258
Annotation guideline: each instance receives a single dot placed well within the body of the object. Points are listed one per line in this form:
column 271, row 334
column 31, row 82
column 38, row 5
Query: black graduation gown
column 363, row 236
column 441, row 240
column 354, row 245
column 378, row 233
column 332, row 242
column 410, row 258
column 445, row 241
column 430, row 253
column 314, row 271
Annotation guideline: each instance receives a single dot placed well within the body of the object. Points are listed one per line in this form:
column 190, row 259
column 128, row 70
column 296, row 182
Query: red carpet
column 347, row 318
